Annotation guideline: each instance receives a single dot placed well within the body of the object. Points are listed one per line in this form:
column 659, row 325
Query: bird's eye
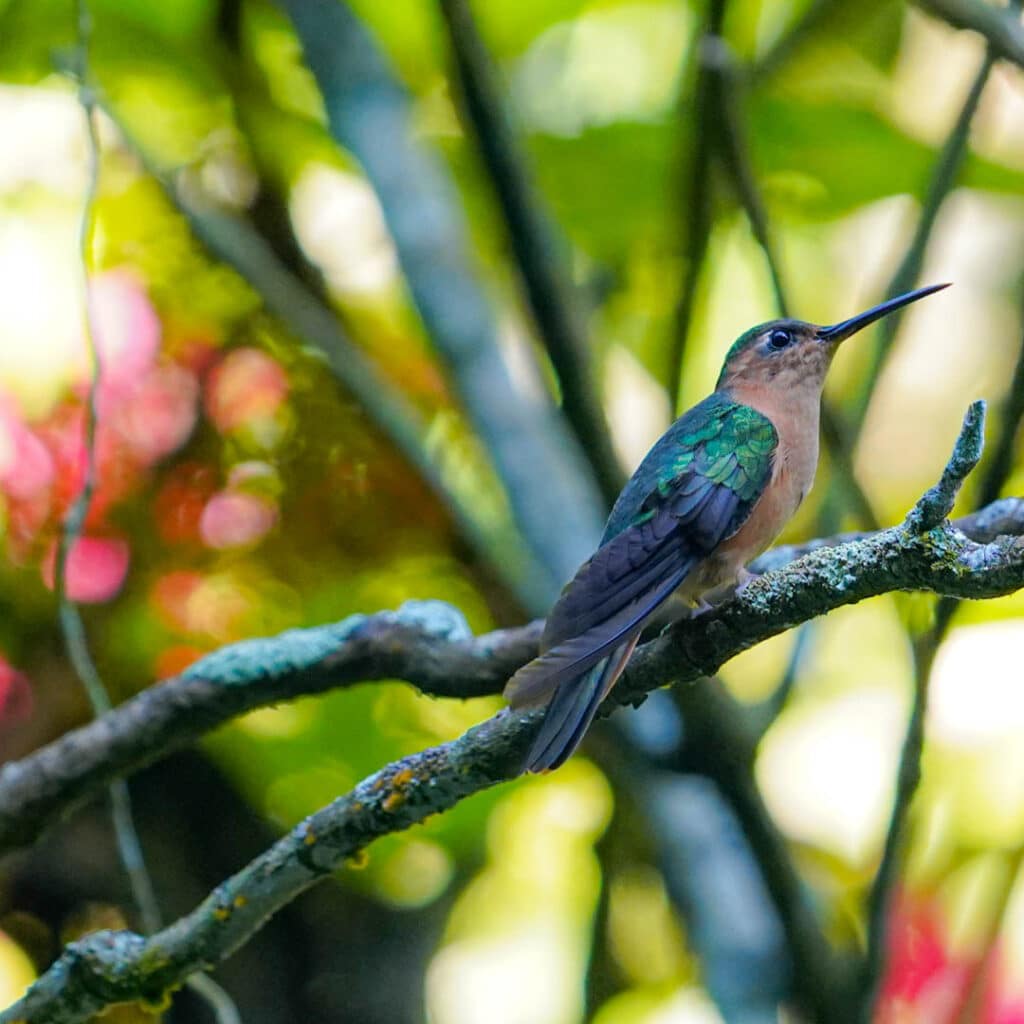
column 779, row 339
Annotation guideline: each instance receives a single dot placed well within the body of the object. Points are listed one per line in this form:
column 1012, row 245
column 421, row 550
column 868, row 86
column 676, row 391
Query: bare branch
column 71, row 625
column 553, row 496
column 940, row 184
column 424, row 643
column 234, row 240
column 1000, row 26
column 535, row 245
column 737, row 160
column 110, row 967
column 937, row 502
column 999, row 465
column 697, row 180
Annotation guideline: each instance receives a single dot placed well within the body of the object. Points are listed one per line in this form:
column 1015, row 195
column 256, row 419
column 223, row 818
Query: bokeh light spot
column 96, row 568
column 234, row 520
column 246, row 385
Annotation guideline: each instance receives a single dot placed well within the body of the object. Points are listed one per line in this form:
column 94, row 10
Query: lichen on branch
column 110, row 967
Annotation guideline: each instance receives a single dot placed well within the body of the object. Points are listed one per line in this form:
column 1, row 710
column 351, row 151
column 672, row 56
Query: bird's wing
column 704, row 492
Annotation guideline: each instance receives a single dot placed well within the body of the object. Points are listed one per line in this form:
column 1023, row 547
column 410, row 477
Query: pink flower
column 96, row 568
column 233, row 519
column 26, row 467
column 157, row 417
column 924, row 980
column 126, row 333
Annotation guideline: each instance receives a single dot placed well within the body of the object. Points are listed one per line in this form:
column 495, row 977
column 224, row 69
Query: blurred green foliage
column 843, row 137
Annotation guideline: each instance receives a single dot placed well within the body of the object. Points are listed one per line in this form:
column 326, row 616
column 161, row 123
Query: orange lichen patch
column 239, row 901
column 358, row 860
column 393, row 801
column 221, row 913
column 403, row 778
column 309, row 838
column 160, row 1003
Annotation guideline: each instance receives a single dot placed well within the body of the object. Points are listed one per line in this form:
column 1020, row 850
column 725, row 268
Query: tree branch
column 1000, row 463
column 940, row 184
column 1000, row 26
column 546, row 283
column 72, row 627
column 110, row 967
column 428, row 644
column 237, row 243
column 552, row 493
column 697, row 225
column 711, row 876
column 736, row 157
column 724, row 749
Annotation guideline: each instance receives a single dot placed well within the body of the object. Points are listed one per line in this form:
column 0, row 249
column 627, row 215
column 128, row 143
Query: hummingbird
column 709, row 497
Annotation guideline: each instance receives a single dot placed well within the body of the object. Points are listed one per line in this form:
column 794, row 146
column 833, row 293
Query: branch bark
column 922, row 553
column 1000, row 26
column 546, row 283
column 429, row 645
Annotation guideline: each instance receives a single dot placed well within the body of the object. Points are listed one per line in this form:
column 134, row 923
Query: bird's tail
column 572, row 709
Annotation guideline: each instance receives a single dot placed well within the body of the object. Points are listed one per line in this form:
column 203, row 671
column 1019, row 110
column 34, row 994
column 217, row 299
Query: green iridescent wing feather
column 694, row 489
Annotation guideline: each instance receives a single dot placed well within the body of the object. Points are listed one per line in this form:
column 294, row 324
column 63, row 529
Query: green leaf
column 613, row 187
column 821, row 161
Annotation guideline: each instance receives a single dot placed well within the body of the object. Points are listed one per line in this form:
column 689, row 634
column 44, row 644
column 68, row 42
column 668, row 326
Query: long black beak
column 843, row 330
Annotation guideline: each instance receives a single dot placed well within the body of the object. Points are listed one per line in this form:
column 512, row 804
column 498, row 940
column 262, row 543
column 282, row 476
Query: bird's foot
column 743, row 580
column 713, row 599
column 701, row 607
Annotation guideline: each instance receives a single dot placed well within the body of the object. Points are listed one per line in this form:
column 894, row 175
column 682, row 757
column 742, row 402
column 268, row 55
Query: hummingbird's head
column 791, row 354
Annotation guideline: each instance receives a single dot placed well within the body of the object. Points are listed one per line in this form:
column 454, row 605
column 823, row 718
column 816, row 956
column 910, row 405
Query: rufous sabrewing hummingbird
column 708, row 498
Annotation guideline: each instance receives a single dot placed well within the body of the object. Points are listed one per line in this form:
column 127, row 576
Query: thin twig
column 1000, row 464
column 535, row 245
column 698, row 219
column 933, row 507
column 110, row 967
column 838, row 443
column 764, row 714
column 1000, row 26
column 429, row 645
column 730, row 137
column 73, row 628
column 552, row 493
column 942, row 181
column 783, row 47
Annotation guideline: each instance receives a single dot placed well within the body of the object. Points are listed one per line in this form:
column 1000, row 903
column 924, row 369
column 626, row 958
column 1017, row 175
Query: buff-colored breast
column 795, row 418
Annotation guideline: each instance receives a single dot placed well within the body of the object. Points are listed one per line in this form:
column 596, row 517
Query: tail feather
column 573, row 707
